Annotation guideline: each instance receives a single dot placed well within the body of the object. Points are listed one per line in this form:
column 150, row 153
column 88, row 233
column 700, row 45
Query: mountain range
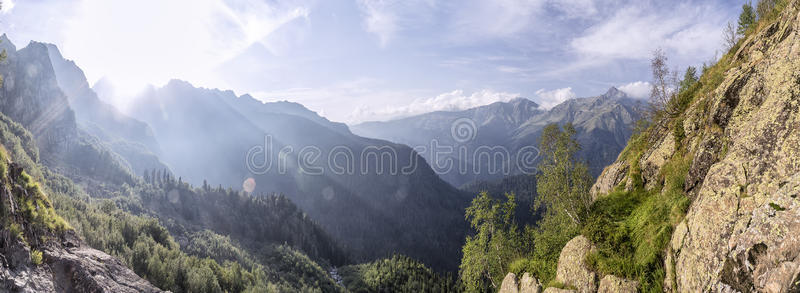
column 603, row 123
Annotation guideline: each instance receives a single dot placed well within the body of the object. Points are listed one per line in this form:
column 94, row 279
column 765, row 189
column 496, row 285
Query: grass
column 36, row 257
column 631, row 229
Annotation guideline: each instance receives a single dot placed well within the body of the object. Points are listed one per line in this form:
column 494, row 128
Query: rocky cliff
column 39, row 252
column 735, row 147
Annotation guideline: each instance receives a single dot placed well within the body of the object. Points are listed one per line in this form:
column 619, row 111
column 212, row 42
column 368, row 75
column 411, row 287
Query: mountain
column 376, row 198
column 172, row 244
column 30, row 95
column 706, row 199
column 498, row 137
column 130, row 138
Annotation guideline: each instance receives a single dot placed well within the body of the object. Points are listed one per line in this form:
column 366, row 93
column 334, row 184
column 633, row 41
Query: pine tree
column 746, row 18
column 689, row 78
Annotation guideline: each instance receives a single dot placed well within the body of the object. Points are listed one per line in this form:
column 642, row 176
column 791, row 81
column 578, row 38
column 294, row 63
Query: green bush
column 521, row 266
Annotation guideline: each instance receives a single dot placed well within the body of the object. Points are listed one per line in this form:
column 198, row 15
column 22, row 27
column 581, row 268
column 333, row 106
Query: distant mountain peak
column 523, row 101
column 7, row 44
column 614, row 92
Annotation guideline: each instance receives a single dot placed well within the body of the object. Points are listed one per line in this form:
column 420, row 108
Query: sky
column 362, row 60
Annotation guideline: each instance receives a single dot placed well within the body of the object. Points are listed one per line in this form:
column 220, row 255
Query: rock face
column 42, row 254
column 527, row 284
column 69, row 266
column 612, row 284
column 572, row 271
column 509, row 284
column 741, row 230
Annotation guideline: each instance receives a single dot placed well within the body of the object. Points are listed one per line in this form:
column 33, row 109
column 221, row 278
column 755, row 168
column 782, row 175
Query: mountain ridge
column 604, row 124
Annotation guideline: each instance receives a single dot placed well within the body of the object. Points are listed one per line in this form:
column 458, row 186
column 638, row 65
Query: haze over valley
column 399, row 146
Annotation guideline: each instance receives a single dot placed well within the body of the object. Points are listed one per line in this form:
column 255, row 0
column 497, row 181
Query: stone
column 613, row 284
column 611, row 177
column 557, row 290
column 529, row 284
column 572, row 270
column 509, row 284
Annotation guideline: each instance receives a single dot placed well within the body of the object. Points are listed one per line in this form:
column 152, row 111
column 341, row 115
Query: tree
column 562, row 182
column 563, row 193
column 746, row 18
column 689, row 78
column 496, row 243
column 664, row 86
column 730, row 36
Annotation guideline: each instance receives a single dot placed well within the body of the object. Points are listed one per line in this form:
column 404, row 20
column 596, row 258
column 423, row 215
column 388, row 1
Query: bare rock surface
column 572, row 270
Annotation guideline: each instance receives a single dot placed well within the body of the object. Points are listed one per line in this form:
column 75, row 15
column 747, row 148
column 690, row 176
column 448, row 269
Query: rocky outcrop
column 572, row 270
column 509, row 284
column 613, row 284
column 740, row 233
column 611, row 177
column 741, row 230
column 68, row 266
column 527, row 284
column 39, row 252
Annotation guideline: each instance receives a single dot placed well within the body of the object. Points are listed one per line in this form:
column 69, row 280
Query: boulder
column 529, row 284
column 509, row 284
column 572, row 270
column 613, row 284
column 557, row 290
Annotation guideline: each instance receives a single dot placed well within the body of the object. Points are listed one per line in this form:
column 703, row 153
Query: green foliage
column 522, row 186
column 521, row 266
column 257, row 220
column 689, row 78
column 764, row 8
column 563, row 193
column 562, row 182
column 746, row 19
column 495, row 244
column 631, row 229
column 396, row 274
column 548, row 237
column 141, row 242
column 678, row 132
column 36, row 257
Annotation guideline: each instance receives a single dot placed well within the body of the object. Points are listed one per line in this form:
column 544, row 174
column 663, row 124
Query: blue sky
column 357, row 60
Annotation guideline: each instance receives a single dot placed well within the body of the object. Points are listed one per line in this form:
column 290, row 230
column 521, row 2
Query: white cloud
column 638, row 89
column 481, row 20
column 451, row 101
column 386, row 18
column 634, row 31
column 549, row 99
